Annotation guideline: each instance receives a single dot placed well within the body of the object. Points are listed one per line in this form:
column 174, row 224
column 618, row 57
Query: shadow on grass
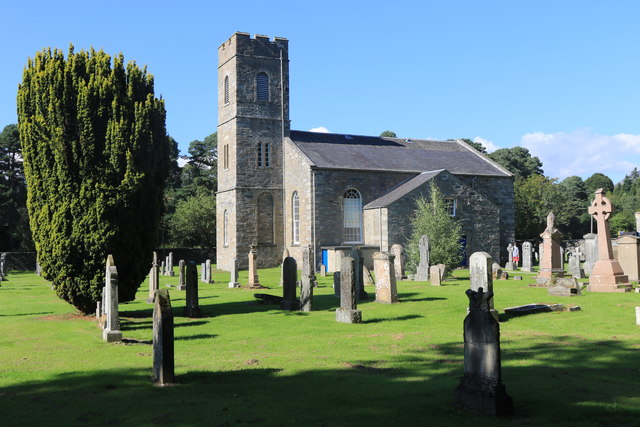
column 26, row 314
column 569, row 381
column 196, row 337
column 392, row 319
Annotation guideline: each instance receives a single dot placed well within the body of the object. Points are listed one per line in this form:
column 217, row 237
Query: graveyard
column 246, row 362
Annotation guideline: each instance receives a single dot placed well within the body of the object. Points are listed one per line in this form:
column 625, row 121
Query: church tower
column 253, row 119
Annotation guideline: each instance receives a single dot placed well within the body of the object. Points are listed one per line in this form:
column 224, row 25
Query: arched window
column 352, row 215
column 225, row 228
column 262, row 87
column 226, row 89
column 265, row 219
column 267, row 155
column 295, row 217
column 259, row 154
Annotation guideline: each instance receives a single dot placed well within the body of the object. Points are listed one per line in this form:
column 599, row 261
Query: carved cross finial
column 601, row 206
column 479, row 300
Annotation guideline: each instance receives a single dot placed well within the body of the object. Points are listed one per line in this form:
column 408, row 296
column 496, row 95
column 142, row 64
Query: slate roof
column 354, row 152
column 402, row 190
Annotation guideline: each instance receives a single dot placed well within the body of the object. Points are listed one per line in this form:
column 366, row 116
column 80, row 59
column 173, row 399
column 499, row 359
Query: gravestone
column 163, row 356
column 574, row 264
column 496, row 271
column 98, row 309
column 443, row 271
column 590, row 252
column 254, row 282
column 233, row 276
column 527, row 262
column 434, row 275
column 607, row 274
column 358, row 270
column 285, row 254
column 306, row 286
column 111, row 332
column 638, row 316
column 203, row 272
column 386, row 289
column 481, row 387
column 367, row 278
column 336, row 283
column 551, row 265
column 182, row 281
column 323, row 270
column 629, row 256
column 510, row 265
column 192, row 306
column 564, row 287
column 481, row 276
column 154, row 279
column 348, row 311
column 289, row 300
column 170, row 264
column 422, row 272
column 207, row 269
column 338, row 258
column 397, row 252
column 163, row 268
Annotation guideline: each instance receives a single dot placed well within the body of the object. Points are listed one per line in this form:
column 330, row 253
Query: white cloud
column 584, row 153
column 489, row 145
column 320, row 129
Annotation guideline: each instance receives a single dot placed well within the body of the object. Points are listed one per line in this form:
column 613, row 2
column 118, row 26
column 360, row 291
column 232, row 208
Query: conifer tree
column 96, row 157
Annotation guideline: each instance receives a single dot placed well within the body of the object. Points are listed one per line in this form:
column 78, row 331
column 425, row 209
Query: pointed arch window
column 226, row 89
column 295, row 217
column 352, row 216
column 262, row 86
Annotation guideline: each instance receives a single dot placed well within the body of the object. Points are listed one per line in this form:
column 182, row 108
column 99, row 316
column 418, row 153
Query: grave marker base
column 346, row 315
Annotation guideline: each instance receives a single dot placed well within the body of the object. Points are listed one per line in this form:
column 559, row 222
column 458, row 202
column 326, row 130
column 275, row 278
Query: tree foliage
column 388, row 134
column 96, row 157
column 431, row 218
column 477, row 145
column 193, row 223
column 598, row 180
column 518, row 161
column 576, row 205
column 534, row 197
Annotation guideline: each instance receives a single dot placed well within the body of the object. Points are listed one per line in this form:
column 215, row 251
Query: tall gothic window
column 263, row 155
column 225, row 228
column 262, row 86
column 260, row 154
column 226, row 89
column 265, row 219
column 225, row 160
column 295, row 217
column 267, row 155
column 352, row 215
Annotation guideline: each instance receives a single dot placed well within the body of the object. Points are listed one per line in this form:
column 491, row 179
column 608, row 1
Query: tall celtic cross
column 601, row 209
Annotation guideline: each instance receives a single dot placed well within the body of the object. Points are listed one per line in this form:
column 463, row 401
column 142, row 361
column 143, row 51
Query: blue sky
column 558, row 77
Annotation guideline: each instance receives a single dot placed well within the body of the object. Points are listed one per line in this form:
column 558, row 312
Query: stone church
column 280, row 188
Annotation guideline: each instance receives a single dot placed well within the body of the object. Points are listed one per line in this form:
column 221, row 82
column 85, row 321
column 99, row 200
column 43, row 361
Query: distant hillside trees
column 96, row 158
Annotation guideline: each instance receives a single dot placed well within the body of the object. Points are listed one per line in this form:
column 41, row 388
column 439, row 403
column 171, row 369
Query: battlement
column 259, row 46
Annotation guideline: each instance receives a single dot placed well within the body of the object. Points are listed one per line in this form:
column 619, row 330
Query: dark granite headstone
column 336, row 284
column 289, row 276
column 358, row 267
column 481, row 387
column 348, row 313
column 182, row 280
column 192, row 306
column 306, row 288
column 163, row 356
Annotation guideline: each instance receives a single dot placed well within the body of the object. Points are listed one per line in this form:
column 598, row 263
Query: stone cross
column 192, row 306
column 397, row 251
column 358, row 270
column 306, row 287
column 253, row 268
column 163, row 356
column 481, row 387
column 111, row 332
column 422, row 272
column 481, row 276
column 182, row 281
column 510, row 265
column 154, row 279
column 607, row 274
column 289, row 301
column 527, row 262
column 386, row 288
column 233, row 277
column 348, row 312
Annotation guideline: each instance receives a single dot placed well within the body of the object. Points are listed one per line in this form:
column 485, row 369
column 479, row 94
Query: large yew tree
column 96, row 156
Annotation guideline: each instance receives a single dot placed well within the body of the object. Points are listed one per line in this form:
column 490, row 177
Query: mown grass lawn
column 244, row 363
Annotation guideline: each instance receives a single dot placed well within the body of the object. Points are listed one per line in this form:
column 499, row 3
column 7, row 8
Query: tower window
column 451, row 205
column 262, row 85
column 226, row 89
column 225, row 160
column 259, row 154
column 352, row 216
column 225, row 228
column 263, row 155
column 295, row 217
column 267, row 155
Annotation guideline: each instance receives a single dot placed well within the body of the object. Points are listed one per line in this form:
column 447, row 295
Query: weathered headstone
column 98, row 309
column 367, row 279
column 289, row 300
column 154, row 279
column 233, row 276
column 207, row 269
column 434, row 275
column 481, row 387
column 192, row 305
column 182, row 278
column 574, row 263
column 170, row 264
column 358, row 269
column 397, row 252
column 481, row 276
column 254, row 282
column 111, row 332
column 348, row 312
column 285, row 254
column 510, row 265
column 323, row 270
column 629, row 256
column 336, row 283
column 163, row 356
column 203, row 272
column 607, row 274
column 163, row 267
column 443, row 271
column 590, row 252
column 422, row 272
column 386, row 288
column 527, row 261
column 551, row 262
column 306, row 285
column 564, row 287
